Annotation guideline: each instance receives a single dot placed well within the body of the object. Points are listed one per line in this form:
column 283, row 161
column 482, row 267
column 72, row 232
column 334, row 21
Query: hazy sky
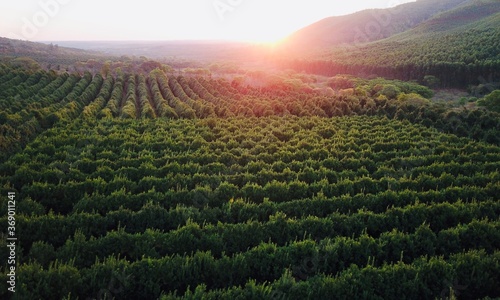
column 247, row 20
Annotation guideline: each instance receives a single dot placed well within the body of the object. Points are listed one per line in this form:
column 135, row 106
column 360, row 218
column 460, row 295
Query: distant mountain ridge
column 459, row 46
column 369, row 25
column 47, row 55
column 475, row 14
column 19, row 48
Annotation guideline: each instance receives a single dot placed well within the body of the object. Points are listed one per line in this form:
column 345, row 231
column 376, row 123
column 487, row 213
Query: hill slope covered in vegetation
column 460, row 47
column 368, row 25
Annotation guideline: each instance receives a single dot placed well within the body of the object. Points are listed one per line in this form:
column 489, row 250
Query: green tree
column 390, row 91
column 431, row 81
column 491, row 101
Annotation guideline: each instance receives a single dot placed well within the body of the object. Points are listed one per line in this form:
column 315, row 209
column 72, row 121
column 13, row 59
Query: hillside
column 43, row 54
column 459, row 47
column 368, row 25
column 472, row 15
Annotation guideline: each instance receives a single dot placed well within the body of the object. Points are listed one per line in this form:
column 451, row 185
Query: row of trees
column 425, row 278
column 383, row 244
column 457, row 59
column 471, row 273
column 22, row 119
column 159, row 95
column 237, row 224
column 225, row 201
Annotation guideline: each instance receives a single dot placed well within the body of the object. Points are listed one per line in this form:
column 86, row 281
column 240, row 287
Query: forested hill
column 459, row 47
column 368, row 25
column 472, row 15
column 32, row 54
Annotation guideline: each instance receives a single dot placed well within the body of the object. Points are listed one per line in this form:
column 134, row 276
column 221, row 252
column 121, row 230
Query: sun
column 266, row 41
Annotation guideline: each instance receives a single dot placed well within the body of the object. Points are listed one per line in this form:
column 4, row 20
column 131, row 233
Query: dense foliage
column 460, row 47
column 31, row 102
column 136, row 180
column 315, row 205
column 144, row 186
